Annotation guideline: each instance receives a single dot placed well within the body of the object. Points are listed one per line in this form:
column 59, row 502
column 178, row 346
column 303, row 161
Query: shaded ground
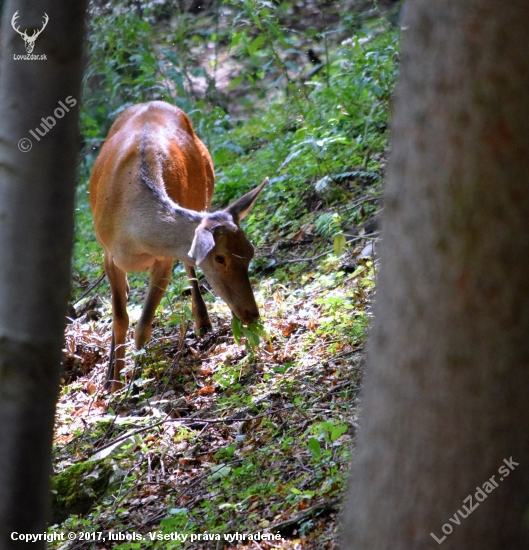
column 232, row 439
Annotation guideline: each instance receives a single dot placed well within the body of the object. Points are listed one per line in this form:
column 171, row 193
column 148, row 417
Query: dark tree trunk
column 447, row 387
column 36, row 226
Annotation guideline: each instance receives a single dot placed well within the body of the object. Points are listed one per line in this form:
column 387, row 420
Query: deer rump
column 150, row 192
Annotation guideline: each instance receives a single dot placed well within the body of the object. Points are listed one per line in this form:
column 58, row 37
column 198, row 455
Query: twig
column 191, row 422
column 137, row 486
column 322, row 542
column 127, row 435
column 336, row 388
column 361, row 201
column 303, row 467
column 369, row 236
column 90, row 289
column 119, row 498
column 204, row 475
column 309, row 512
column 191, row 485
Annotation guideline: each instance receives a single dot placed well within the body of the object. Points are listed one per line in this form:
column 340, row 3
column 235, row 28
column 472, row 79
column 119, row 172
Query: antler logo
column 29, row 40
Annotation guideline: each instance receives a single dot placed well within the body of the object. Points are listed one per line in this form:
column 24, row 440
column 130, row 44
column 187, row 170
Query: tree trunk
column 36, row 227
column 446, row 397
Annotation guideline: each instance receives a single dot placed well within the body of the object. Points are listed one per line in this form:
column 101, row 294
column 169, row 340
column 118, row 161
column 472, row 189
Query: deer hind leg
column 160, row 273
column 200, row 312
column 120, row 321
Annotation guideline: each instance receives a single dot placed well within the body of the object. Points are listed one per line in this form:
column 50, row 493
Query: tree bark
column 36, row 228
column 446, row 395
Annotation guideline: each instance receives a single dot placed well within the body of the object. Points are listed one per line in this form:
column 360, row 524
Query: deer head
column 29, row 41
column 223, row 252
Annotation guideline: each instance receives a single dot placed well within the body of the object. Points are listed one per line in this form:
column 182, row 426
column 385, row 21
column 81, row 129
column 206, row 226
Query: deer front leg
column 160, row 273
column 120, row 322
column 198, row 307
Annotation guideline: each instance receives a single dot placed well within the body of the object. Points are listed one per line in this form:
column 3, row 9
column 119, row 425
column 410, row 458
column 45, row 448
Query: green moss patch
column 77, row 488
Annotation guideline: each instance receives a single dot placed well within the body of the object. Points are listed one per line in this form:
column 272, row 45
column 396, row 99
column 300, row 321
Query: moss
column 75, row 490
column 156, row 369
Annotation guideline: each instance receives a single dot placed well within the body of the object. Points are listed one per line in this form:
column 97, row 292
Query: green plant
column 122, row 69
column 260, row 17
column 252, row 332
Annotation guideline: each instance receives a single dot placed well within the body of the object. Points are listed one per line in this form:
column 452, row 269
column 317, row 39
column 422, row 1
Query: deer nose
column 250, row 316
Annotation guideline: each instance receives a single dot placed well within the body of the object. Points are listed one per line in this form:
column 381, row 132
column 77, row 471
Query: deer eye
column 220, row 260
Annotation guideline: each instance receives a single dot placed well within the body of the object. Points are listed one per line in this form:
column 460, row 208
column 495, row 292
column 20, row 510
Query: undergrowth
column 224, row 434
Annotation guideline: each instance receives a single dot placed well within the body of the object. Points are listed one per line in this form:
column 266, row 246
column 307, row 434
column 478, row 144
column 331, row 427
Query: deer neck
column 164, row 228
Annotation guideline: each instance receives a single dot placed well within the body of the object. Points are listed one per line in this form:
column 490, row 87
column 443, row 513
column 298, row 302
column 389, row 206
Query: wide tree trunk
column 36, row 227
column 447, row 387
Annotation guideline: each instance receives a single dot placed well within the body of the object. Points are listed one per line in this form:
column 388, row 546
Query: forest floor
column 230, row 438
column 218, row 436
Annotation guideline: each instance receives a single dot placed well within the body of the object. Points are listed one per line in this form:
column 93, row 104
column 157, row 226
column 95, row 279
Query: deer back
column 150, row 190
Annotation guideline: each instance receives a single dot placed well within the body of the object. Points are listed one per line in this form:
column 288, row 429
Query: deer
column 150, row 191
column 29, row 41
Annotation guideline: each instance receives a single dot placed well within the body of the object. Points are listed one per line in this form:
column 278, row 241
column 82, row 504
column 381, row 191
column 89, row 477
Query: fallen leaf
column 90, row 388
column 64, row 438
column 101, row 405
column 288, row 328
column 298, row 236
column 189, row 463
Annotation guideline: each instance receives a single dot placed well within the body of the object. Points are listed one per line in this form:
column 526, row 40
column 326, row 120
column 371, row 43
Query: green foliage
column 258, row 33
column 87, row 251
column 252, row 333
column 328, row 223
column 341, row 318
column 178, row 521
column 315, row 448
column 324, row 441
column 337, row 137
column 339, row 244
column 122, row 70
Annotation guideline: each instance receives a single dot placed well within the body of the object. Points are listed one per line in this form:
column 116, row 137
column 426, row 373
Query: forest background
column 238, row 431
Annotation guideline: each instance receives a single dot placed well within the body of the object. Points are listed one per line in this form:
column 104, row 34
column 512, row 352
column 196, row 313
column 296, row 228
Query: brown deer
column 150, row 192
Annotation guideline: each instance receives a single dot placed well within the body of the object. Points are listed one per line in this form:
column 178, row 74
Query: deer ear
column 243, row 205
column 202, row 245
